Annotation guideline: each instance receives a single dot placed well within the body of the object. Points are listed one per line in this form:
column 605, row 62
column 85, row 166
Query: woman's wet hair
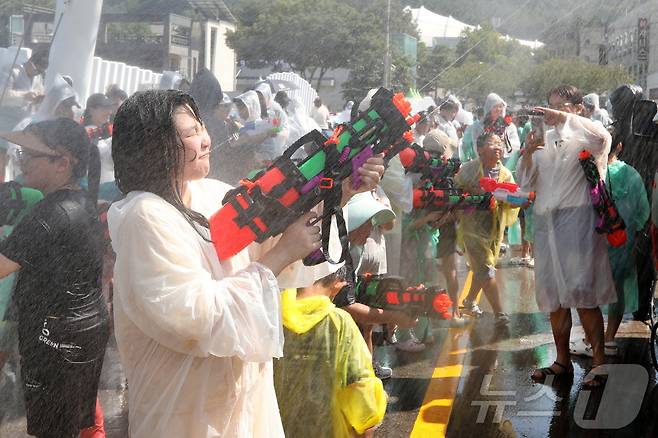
column 568, row 92
column 340, row 274
column 147, row 150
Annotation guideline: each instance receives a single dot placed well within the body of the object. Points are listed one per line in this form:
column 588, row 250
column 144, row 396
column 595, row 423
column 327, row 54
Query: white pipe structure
column 72, row 50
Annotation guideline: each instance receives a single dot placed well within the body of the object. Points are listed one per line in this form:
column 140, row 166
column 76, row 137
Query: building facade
column 629, row 43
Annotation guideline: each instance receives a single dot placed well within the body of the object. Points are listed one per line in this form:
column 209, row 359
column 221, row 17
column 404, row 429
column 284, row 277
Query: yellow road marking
column 434, row 414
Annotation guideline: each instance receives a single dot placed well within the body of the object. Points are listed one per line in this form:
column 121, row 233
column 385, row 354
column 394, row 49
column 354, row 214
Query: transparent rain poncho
column 325, row 383
column 510, row 134
column 571, row 261
column 299, row 121
column 631, row 200
column 196, row 335
column 599, row 114
column 275, row 146
column 482, row 231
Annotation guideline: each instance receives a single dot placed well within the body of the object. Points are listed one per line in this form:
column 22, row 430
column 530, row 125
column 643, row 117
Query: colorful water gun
column 388, row 292
column 609, row 221
column 507, row 192
column 16, row 201
column 99, row 132
column 261, row 127
column 450, row 199
column 433, row 168
column 265, row 205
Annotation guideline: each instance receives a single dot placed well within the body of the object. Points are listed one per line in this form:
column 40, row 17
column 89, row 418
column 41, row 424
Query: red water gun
column 507, row 192
column 609, row 221
column 265, row 205
column 99, row 132
column 388, row 292
column 433, row 168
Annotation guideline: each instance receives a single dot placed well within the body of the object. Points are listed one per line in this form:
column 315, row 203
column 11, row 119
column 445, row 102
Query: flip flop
column 597, row 380
column 567, row 371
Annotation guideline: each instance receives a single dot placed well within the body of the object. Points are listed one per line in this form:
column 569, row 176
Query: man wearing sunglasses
column 56, row 251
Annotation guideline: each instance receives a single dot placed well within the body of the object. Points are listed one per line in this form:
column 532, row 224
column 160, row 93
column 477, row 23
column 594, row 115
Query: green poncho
column 631, row 200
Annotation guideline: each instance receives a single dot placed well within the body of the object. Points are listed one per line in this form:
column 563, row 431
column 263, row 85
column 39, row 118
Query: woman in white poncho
column 497, row 121
column 571, row 263
column 196, row 335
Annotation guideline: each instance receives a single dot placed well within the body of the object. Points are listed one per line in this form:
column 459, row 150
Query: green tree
column 487, row 63
column 430, row 66
column 311, row 36
column 315, row 36
column 369, row 74
column 587, row 77
column 367, row 63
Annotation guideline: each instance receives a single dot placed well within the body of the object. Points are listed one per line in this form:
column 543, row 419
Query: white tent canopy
column 435, row 29
column 432, row 25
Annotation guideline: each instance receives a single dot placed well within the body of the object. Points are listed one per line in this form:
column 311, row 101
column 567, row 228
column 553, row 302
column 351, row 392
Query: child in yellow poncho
column 325, row 384
column 482, row 231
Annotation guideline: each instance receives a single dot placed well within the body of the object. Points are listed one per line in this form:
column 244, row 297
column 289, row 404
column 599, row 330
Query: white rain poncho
column 345, row 115
column 273, row 147
column 250, row 100
column 299, row 121
column 399, row 189
column 571, row 258
column 196, row 336
column 463, row 117
column 509, row 132
column 599, row 114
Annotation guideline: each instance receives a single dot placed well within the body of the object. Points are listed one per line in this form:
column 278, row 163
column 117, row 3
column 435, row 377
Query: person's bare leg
column 592, row 321
column 525, row 245
column 561, row 327
column 476, row 285
column 615, row 313
column 449, row 271
column 613, row 326
column 490, row 288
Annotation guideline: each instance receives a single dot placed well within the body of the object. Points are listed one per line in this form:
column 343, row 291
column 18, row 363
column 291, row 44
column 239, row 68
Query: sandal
column 567, row 371
column 596, row 378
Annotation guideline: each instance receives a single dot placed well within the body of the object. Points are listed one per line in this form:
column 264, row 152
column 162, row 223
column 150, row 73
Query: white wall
column 224, row 57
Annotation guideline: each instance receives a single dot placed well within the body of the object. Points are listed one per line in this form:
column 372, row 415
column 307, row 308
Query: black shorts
column 447, row 240
column 60, row 395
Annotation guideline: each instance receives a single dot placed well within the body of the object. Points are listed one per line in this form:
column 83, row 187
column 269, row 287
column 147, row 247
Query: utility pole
column 387, row 56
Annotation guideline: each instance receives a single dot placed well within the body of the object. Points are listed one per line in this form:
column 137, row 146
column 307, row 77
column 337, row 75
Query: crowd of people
column 120, row 246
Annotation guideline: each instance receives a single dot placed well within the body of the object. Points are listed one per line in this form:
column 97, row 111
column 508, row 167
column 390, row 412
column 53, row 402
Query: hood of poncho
column 300, row 316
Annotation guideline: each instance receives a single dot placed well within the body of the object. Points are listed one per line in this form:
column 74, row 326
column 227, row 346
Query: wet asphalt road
column 473, row 381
